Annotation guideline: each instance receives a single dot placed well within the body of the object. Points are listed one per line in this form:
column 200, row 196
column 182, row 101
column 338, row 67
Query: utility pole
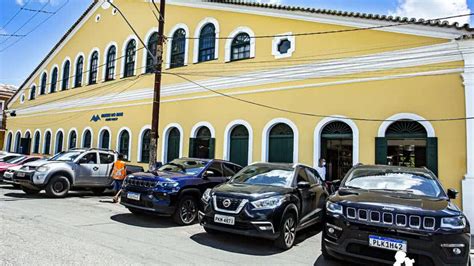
column 157, row 88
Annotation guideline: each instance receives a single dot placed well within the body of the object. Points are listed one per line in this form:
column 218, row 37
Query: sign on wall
column 106, row 117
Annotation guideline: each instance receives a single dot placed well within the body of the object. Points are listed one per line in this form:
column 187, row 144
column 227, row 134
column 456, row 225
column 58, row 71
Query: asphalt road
column 89, row 230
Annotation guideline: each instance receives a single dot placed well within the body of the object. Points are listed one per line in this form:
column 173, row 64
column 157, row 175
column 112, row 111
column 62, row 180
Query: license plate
column 133, row 196
column 8, row 175
column 388, row 243
column 20, row 174
column 223, row 219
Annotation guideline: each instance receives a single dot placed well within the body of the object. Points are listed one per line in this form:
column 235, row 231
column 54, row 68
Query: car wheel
column 324, row 250
column 98, row 191
column 30, row 191
column 287, row 232
column 187, row 210
column 210, row 231
column 58, row 187
column 136, row 211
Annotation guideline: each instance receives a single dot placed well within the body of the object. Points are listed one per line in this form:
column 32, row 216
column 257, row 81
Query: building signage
column 106, row 117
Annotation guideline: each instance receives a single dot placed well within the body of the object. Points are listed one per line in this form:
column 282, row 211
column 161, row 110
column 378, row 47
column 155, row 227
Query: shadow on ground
column 321, row 261
column 147, row 221
column 17, row 194
column 247, row 245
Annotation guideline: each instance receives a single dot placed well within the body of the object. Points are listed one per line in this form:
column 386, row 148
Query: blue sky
column 20, row 59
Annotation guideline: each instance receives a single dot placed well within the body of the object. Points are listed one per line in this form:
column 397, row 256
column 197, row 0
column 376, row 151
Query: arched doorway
column 173, row 144
column 202, row 146
column 145, row 146
column 239, row 145
column 104, row 139
column 47, row 143
column 36, row 146
column 337, row 149
column 124, row 144
column 59, row 142
column 9, row 142
column 406, row 143
column 280, row 144
column 72, row 140
column 87, row 139
column 17, row 142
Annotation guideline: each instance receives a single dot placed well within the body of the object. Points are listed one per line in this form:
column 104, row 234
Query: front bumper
column 351, row 239
column 150, row 201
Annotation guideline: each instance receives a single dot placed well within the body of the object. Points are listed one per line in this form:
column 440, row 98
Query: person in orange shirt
column 119, row 173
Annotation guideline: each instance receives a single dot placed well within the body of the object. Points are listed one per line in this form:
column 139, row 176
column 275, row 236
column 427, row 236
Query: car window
column 265, row 175
column 30, row 160
column 302, row 176
column 216, row 167
column 106, row 158
column 313, row 176
column 229, row 169
column 89, row 158
column 236, row 168
column 16, row 160
column 187, row 166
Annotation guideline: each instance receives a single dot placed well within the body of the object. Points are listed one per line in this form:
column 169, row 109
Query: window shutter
column 432, row 154
column 381, row 151
column 212, row 148
column 192, row 143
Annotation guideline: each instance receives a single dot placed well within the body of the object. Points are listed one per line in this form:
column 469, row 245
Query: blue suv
column 175, row 188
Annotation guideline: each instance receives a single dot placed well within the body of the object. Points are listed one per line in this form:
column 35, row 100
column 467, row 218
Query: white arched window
column 237, row 133
column 124, row 142
column 104, row 138
column 271, row 127
column 206, row 40
column 177, row 50
column 172, row 145
column 240, row 44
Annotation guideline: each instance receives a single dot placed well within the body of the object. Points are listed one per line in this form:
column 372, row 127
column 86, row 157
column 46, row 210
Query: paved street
column 85, row 229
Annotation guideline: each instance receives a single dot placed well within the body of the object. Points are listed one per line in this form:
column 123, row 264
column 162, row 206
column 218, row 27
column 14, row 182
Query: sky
column 20, row 55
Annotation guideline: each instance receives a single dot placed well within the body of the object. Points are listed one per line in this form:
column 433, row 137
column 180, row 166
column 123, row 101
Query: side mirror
column 82, row 160
column 303, row 184
column 452, row 193
column 208, row 173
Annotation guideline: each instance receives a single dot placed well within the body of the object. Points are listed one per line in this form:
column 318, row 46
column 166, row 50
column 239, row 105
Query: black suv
column 266, row 200
column 175, row 188
column 380, row 211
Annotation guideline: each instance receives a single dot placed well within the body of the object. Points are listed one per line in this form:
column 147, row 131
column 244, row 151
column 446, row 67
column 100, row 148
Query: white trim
column 106, row 52
column 84, row 63
column 186, row 43
column 197, row 34
column 69, row 138
column 50, row 141
column 48, row 90
column 33, row 142
column 45, row 72
column 198, row 125
column 406, row 116
column 228, row 43
column 140, row 139
column 99, row 139
column 266, row 134
column 92, row 137
column 124, row 51
column 22, row 98
column 145, row 51
column 62, row 74
column 228, row 131
column 17, row 139
column 26, row 132
column 88, row 65
column 276, row 41
column 117, row 144
column 164, row 146
column 56, row 140
column 319, row 129
column 29, row 94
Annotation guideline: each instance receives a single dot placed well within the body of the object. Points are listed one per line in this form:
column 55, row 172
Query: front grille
column 28, row 168
column 390, row 218
column 234, row 203
column 141, row 183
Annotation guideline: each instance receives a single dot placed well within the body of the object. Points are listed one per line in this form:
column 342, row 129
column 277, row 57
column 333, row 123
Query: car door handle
column 95, row 168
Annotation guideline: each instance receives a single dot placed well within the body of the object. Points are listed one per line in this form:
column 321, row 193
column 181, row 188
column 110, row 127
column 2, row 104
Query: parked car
column 8, row 176
column 380, row 210
column 175, row 188
column 266, row 200
column 15, row 162
column 76, row 168
column 9, row 156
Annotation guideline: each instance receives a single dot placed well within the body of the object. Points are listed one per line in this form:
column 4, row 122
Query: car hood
column 392, row 200
column 37, row 163
column 14, row 168
column 250, row 191
column 161, row 176
column 4, row 166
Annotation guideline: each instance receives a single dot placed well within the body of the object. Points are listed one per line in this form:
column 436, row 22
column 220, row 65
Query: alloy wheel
column 289, row 230
column 58, row 187
column 188, row 211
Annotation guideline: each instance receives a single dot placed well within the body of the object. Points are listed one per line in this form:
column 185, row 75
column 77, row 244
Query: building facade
column 6, row 92
column 251, row 82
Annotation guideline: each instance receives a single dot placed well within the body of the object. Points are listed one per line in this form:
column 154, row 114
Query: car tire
column 186, row 212
column 136, row 211
column 58, row 187
column 210, row 231
column 98, row 191
column 30, row 191
column 287, row 237
column 324, row 250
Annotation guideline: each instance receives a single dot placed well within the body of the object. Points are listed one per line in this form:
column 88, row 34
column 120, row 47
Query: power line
column 37, row 10
column 15, row 15
column 11, row 35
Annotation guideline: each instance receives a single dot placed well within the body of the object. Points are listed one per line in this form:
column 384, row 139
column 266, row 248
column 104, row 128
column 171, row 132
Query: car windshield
column 16, row 159
column 264, row 175
column 67, row 156
column 394, row 181
column 190, row 167
column 9, row 157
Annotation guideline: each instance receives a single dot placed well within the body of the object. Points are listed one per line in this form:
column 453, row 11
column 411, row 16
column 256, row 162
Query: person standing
column 321, row 168
column 119, row 173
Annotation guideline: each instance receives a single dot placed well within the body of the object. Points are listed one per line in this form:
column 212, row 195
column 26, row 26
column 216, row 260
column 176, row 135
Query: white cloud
column 277, row 2
column 429, row 9
column 51, row 2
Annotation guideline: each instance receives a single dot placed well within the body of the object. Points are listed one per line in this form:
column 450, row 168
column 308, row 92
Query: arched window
column 93, row 68
column 66, row 70
column 124, row 144
column 280, row 144
column 18, row 142
column 145, row 146
column 9, row 142
column 36, row 142
column 33, row 92
column 130, row 59
column 79, row 69
column 172, row 144
column 202, row 146
column 87, row 139
column 72, row 140
column 104, row 139
column 337, row 149
column 110, row 64
column 239, row 145
column 207, row 43
column 240, row 47
column 178, row 48
column 54, row 80
column 44, row 81
column 59, row 142
column 47, row 143
column 152, row 44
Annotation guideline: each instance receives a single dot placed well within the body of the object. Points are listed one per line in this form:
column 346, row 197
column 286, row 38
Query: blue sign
column 107, row 117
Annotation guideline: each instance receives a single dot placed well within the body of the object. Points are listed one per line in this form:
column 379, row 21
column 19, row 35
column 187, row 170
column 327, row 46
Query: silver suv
column 76, row 168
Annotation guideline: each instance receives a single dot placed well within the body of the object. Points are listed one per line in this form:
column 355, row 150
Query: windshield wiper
column 392, row 190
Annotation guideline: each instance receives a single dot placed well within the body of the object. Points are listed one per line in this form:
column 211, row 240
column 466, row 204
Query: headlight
column 333, row 207
column 206, row 196
column 167, row 184
column 42, row 169
column 268, row 203
column 453, row 222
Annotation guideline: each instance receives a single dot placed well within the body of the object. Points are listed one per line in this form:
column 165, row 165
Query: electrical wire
column 15, row 15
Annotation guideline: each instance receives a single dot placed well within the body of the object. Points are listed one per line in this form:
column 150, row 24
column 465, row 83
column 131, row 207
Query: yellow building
column 250, row 82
